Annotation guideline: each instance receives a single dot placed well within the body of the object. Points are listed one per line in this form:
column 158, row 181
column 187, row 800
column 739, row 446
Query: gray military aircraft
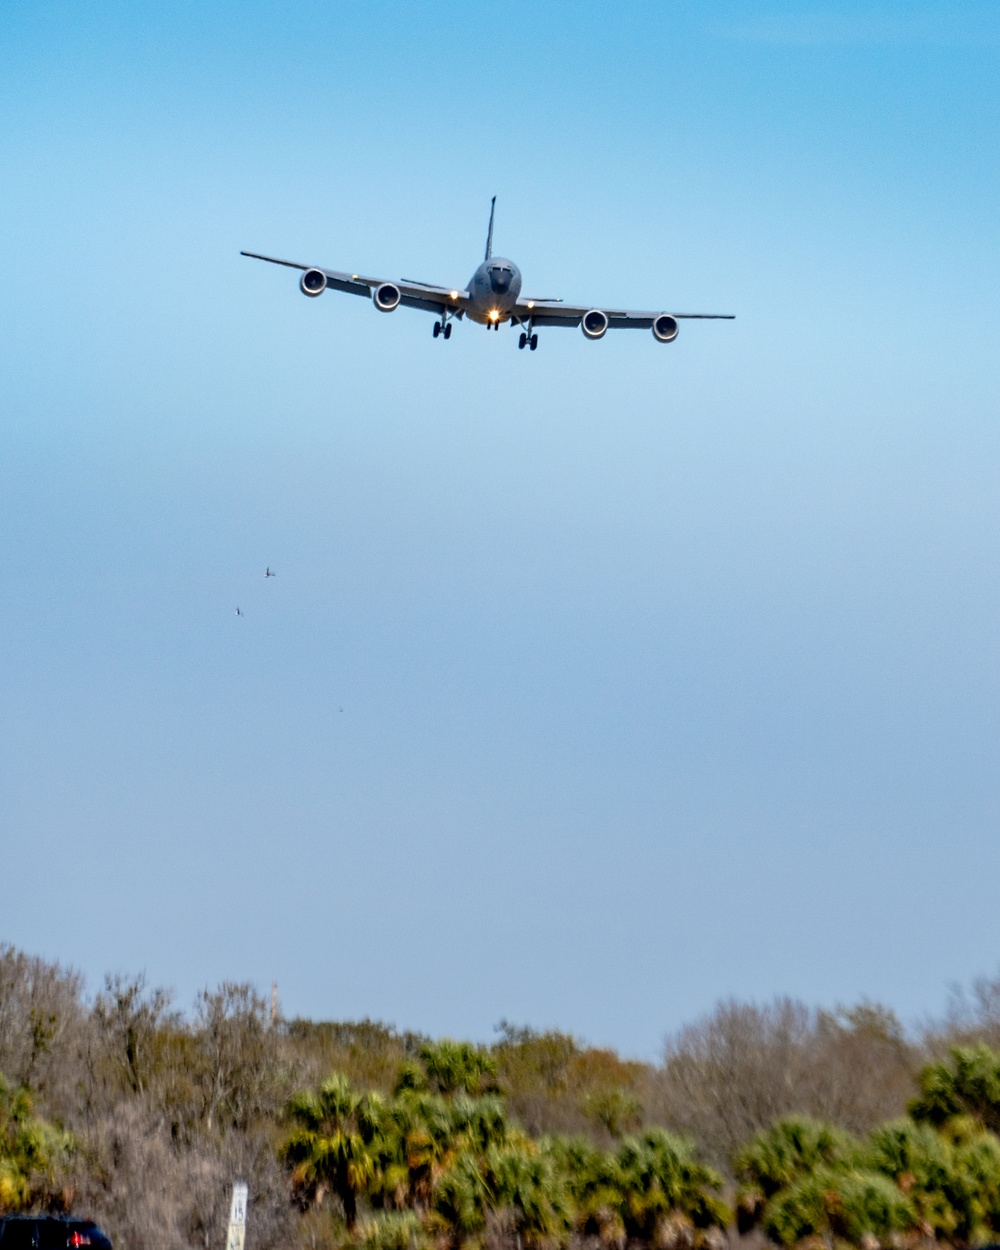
column 492, row 297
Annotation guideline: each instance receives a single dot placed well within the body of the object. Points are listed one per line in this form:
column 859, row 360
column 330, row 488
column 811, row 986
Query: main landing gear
column 528, row 340
column 442, row 328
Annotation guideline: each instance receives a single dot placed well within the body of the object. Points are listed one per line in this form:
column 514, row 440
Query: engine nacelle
column 665, row 328
column 594, row 324
column 313, row 282
column 386, row 297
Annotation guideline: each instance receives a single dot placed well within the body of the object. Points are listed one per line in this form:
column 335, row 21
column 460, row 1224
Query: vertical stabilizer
column 489, row 237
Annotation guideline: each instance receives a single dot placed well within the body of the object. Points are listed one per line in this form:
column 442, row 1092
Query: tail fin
column 489, row 237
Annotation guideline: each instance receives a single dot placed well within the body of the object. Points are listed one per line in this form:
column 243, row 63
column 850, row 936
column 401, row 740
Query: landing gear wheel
column 533, row 342
column 522, row 341
column 437, row 328
column 447, row 332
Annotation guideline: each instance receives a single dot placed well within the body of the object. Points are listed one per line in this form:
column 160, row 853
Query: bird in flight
column 269, row 573
column 493, row 296
column 239, row 613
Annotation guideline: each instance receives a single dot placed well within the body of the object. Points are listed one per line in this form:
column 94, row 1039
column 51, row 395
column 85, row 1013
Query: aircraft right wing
column 422, row 295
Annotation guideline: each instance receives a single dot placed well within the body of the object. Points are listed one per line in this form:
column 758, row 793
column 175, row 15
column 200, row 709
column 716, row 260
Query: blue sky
column 667, row 673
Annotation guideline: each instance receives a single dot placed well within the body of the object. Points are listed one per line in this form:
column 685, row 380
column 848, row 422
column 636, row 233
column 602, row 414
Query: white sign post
column 238, row 1218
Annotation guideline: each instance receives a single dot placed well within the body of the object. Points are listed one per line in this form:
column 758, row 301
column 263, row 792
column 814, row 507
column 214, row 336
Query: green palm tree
column 418, row 1129
column 596, row 1185
column 478, row 1123
column 663, row 1181
column 922, row 1164
column 968, row 1083
column 336, row 1144
column 780, row 1155
column 650, row 1188
column 975, row 1190
column 459, row 1202
column 844, row 1204
column 524, row 1184
column 453, row 1066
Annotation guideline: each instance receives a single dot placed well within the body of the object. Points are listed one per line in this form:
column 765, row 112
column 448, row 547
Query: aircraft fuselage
column 494, row 289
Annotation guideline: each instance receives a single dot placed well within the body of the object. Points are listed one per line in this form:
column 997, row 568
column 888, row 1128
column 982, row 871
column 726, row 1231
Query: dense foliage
column 771, row 1122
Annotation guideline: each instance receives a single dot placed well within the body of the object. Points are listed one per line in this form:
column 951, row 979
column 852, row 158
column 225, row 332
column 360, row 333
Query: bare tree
column 746, row 1064
column 862, row 1069
column 128, row 1018
column 240, row 1051
column 42, row 1019
column 134, row 1183
column 972, row 1016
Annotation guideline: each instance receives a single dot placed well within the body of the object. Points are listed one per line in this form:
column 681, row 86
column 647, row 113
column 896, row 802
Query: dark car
column 49, row 1232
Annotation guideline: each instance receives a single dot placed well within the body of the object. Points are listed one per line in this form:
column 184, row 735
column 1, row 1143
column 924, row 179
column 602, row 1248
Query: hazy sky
column 595, row 683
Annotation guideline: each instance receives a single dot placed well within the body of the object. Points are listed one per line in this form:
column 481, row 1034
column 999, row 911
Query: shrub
column 392, row 1230
column 966, row 1084
column 847, row 1204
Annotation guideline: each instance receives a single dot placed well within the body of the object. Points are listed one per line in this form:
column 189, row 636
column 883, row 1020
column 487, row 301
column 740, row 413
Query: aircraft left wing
column 549, row 312
column 423, row 295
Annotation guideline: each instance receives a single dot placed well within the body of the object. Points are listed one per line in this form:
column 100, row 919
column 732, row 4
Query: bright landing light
column 493, row 314
column 454, row 295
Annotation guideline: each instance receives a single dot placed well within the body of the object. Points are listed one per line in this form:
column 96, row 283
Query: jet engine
column 594, row 324
column 665, row 328
column 386, row 297
column 313, row 282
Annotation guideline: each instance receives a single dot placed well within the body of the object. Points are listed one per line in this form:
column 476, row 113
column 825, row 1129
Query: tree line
column 770, row 1122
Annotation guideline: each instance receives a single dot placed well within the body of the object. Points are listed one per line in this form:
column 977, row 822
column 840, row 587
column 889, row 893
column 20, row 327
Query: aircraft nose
column 500, row 280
